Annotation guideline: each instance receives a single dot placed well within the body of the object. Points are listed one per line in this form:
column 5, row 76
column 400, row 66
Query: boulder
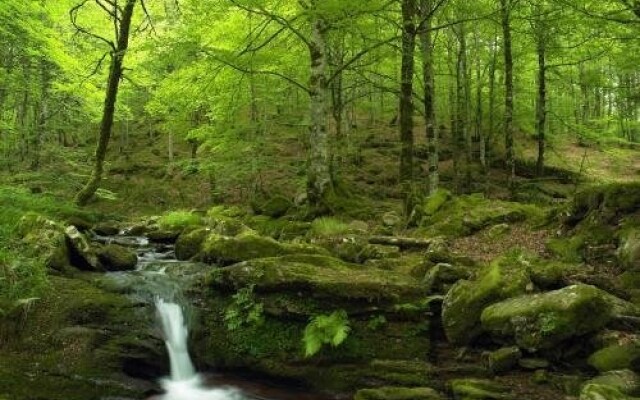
column 82, row 255
column 189, row 243
column 504, row 359
column 542, row 321
column 227, row 250
column 320, row 276
column 398, row 393
column 114, row 257
column 466, row 300
column 108, row 228
column 617, row 357
column 274, row 207
column 438, row 278
column 614, row 385
column 46, row 239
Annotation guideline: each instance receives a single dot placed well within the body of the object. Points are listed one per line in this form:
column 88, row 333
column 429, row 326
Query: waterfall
column 176, row 333
column 185, row 383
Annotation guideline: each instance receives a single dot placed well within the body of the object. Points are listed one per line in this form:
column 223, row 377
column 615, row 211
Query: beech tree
column 118, row 46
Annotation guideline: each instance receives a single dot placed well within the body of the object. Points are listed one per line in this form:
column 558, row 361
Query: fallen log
column 401, row 242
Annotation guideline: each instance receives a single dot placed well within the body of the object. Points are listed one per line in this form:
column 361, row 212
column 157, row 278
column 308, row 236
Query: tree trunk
column 115, row 74
column 541, row 106
column 319, row 183
column 463, row 136
column 406, row 100
column 429, row 96
column 508, row 86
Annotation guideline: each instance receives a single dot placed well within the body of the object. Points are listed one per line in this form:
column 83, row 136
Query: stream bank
column 418, row 320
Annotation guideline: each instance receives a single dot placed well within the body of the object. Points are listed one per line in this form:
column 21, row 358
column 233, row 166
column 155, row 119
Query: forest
column 319, row 199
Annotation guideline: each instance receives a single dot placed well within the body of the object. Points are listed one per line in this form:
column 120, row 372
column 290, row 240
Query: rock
column 629, row 250
column 466, row 300
column 81, row 254
column 552, row 274
column 617, row 357
column 533, row 363
column 398, row 393
column 227, row 250
column 46, row 239
column 189, row 244
column 440, row 276
column 436, row 201
column 117, row 258
column 614, row 385
column 321, row 276
column 478, row 389
column 109, row 228
column 391, row 219
column 163, row 236
column 274, row 207
column 504, row 359
column 542, row 321
column 79, row 222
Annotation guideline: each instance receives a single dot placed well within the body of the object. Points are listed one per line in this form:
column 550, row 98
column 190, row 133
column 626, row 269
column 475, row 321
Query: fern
column 330, row 329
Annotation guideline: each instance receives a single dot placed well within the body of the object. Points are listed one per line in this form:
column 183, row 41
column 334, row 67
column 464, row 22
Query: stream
column 156, row 280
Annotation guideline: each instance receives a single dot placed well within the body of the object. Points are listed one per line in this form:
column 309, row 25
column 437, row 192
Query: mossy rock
column 466, row 215
column 504, row 359
column 274, row 207
column 279, row 229
column 226, row 250
column 542, row 321
column 114, row 257
column 45, row 239
column 436, row 201
column 107, row 228
column 479, row 389
column 617, row 357
column 398, row 393
column 189, row 244
column 81, row 254
column 613, row 385
column 67, row 347
column 551, row 274
column 629, row 250
column 440, row 276
column 466, row 300
column 320, row 276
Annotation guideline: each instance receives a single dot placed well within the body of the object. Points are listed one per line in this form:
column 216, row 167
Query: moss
column 551, row 274
column 226, row 250
column 58, row 348
column 616, row 357
column 117, row 258
column 189, row 244
column 541, row 321
column 465, row 215
column 436, row 201
column 179, row 220
column 629, row 249
column 398, row 393
column 478, row 389
column 614, row 385
column 505, row 277
column 502, row 360
column 326, row 276
column 273, row 207
column 279, row 229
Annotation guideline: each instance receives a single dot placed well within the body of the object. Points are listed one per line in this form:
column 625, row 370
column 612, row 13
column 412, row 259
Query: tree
column 121, row 18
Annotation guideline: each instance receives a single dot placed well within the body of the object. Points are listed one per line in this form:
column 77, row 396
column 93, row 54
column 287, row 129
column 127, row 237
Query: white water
column 184, row 384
